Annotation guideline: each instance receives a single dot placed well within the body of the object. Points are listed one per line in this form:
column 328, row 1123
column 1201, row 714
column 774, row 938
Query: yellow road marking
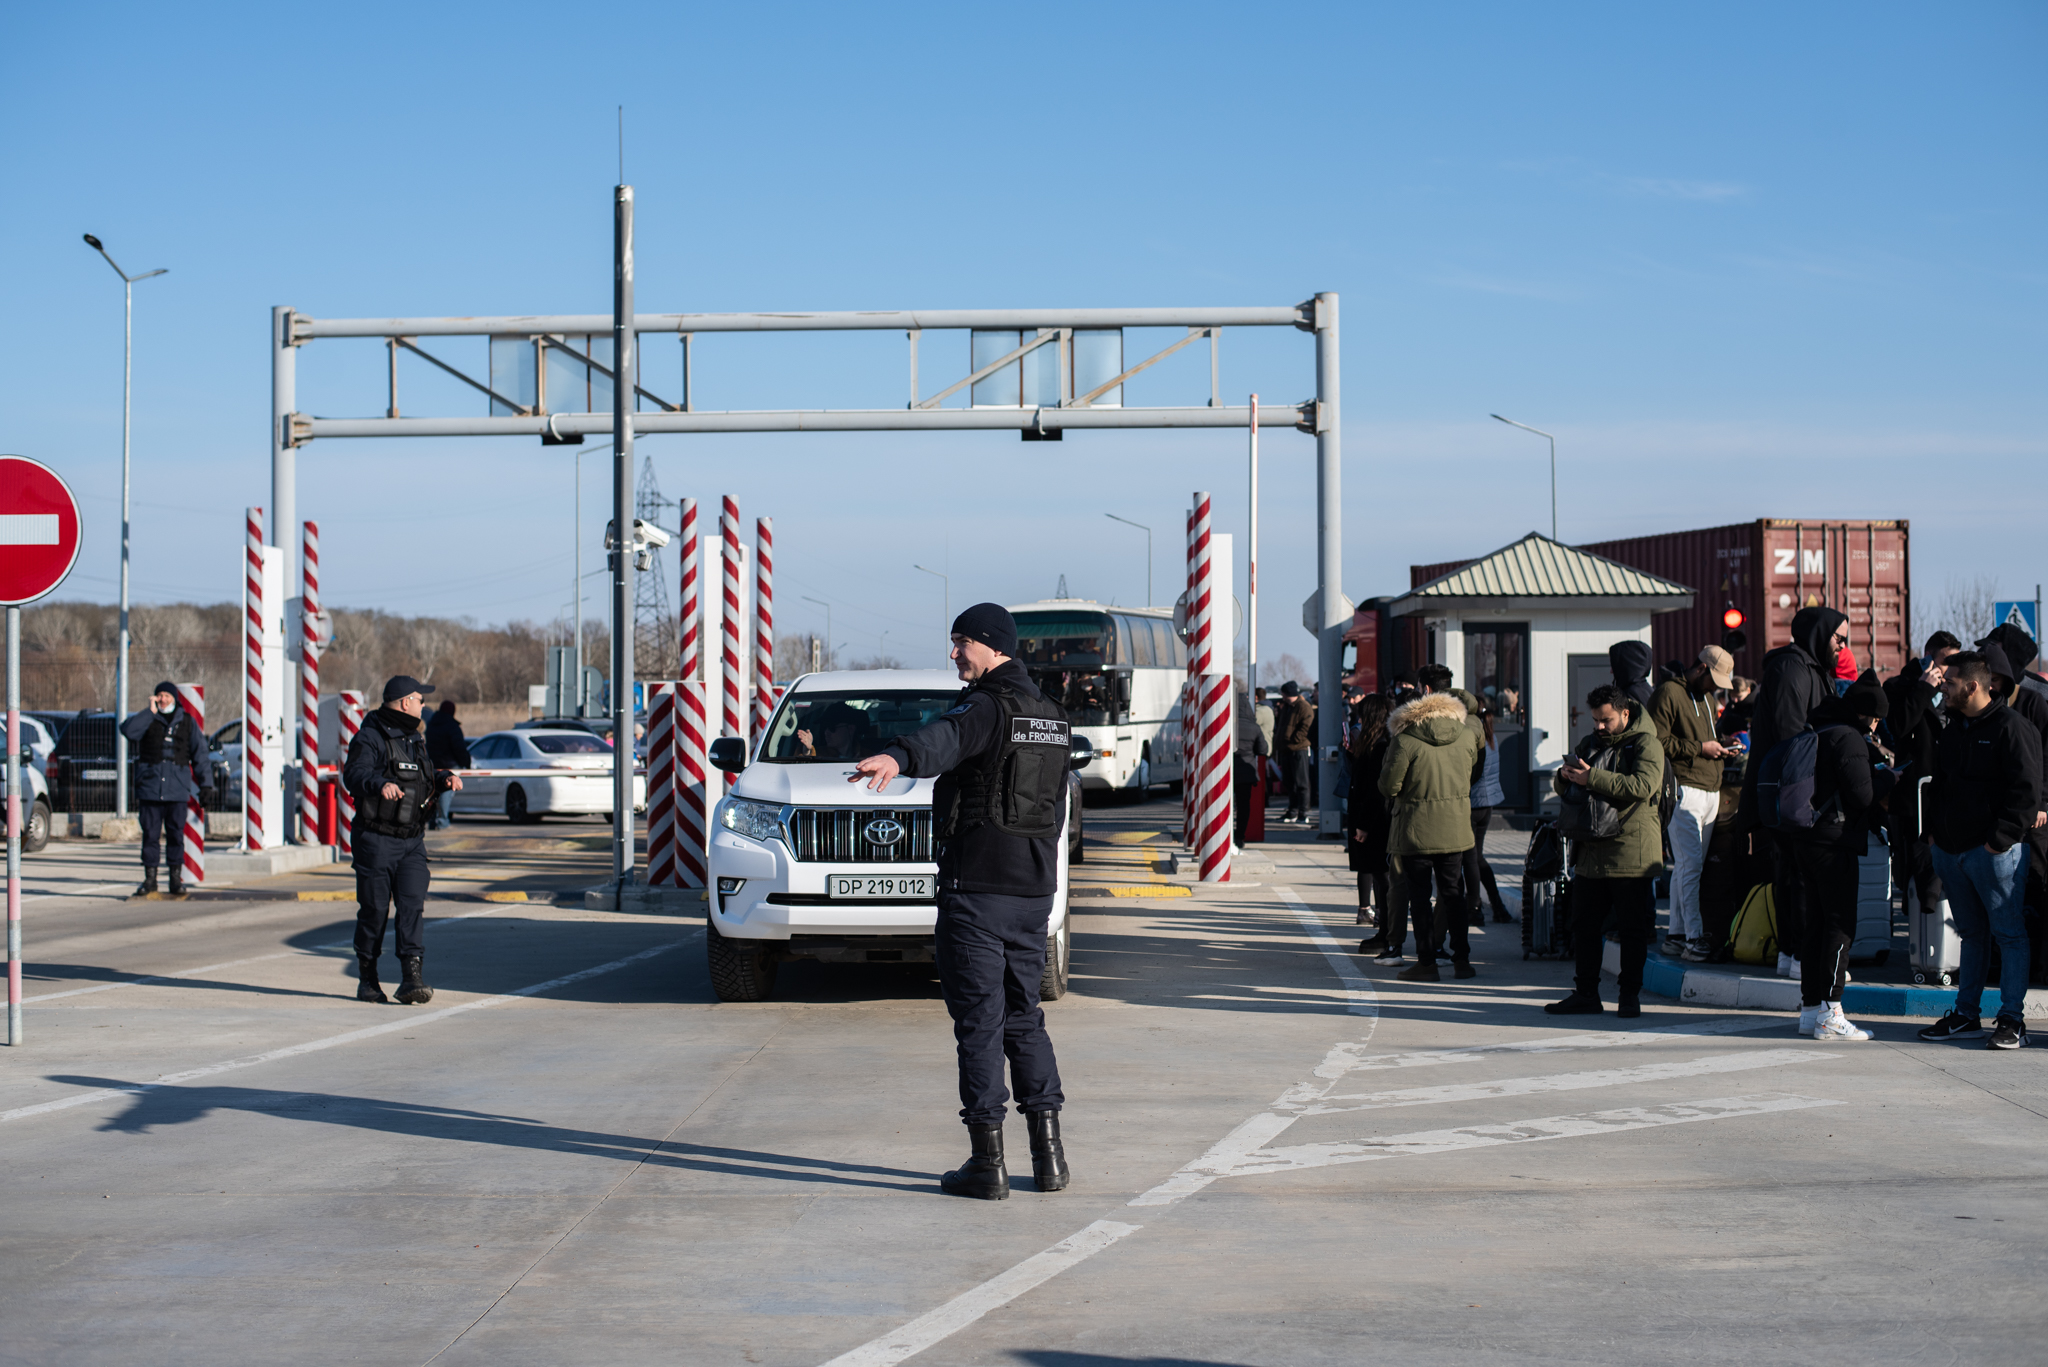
column 1133, row 837
column 335, row 896
column 505, row 897
column 1152, row 890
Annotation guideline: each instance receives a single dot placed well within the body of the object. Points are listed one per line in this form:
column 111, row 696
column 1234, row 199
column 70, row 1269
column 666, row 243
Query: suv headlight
column 755, row 820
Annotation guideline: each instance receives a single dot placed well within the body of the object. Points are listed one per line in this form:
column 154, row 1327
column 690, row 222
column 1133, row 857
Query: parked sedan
column 525, row 775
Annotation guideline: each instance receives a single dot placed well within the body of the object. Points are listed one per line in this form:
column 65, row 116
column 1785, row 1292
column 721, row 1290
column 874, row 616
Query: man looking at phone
column 1684, row 713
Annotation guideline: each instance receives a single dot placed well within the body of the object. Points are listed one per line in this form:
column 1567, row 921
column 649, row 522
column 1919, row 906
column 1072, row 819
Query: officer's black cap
column 991, row 624
column 402, row 684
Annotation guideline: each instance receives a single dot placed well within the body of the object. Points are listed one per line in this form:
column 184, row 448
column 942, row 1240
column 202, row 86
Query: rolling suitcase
column 1935, row 947
column 1873, row 942
column 1545, row 895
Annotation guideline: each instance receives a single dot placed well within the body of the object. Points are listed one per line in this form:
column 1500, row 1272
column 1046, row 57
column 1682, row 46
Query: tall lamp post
column 1553, row 464
column 947, row 633
column 1148, row 551
column 127, row 392
column 828, row 625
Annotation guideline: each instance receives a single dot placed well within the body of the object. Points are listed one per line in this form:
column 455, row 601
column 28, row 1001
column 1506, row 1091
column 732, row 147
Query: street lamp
column 1148, row 551
column 127, row 391
column 1553, row 465
column 947, row 634
column 828, row 625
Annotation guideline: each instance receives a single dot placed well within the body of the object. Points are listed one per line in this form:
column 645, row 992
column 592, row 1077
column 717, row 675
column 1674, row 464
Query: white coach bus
column 1119, row 673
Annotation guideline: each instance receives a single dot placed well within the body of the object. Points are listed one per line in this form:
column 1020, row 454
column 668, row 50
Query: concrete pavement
column 1281, row 1154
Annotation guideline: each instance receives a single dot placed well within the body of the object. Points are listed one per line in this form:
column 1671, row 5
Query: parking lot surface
column 214, row 1154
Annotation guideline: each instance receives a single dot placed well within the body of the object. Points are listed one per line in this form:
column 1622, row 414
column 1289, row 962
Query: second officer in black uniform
column 395, row 786
column 1001, row 756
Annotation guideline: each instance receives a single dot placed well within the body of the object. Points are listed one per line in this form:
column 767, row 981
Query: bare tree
column 1964, row 607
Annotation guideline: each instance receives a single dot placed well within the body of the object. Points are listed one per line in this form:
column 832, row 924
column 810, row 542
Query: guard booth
column 1527, row 628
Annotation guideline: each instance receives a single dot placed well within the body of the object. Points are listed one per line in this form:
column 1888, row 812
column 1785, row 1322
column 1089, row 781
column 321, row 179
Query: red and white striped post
column 692, row 615
column 348, row 718
column 192, row 698
column 734, row 684
column 309, row 691
column 1209, row 662
column 255, row 783
column 661, row 776
column 692, row 772
column 764, row 626
column 1189, row 707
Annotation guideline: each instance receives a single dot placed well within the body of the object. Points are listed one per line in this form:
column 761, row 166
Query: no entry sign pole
column 38, row 546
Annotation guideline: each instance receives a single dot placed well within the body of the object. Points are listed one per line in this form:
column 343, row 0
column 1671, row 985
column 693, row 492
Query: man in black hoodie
column 2009, row 650
column 1914, row 721
column 1794, row 681
column 1984, row 800
column 1630, row 662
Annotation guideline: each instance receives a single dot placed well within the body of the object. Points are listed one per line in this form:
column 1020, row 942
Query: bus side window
column 1162, row 642
column 1122, row 655
column 1140, row 630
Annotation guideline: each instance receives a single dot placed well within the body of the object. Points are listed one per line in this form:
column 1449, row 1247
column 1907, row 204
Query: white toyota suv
column 805, row 865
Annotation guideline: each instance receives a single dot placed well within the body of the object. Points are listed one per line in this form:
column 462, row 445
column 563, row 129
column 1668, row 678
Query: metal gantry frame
column 1319, row 415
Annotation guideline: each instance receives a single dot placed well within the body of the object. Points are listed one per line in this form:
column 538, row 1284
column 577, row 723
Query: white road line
column 407, row 1021
column 1567, row 1082
column 227, row 963
column 1524, row 1131
column 998, row 1291
column 1345, row 1058
column 1363, row 1000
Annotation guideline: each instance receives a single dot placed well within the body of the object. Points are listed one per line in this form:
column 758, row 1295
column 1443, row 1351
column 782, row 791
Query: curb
column 1707, row 985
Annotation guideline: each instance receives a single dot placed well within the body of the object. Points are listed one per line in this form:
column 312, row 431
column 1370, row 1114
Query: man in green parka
column 1620, row 764
column 1427, row 780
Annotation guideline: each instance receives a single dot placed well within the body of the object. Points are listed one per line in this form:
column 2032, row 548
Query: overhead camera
column 648, row 534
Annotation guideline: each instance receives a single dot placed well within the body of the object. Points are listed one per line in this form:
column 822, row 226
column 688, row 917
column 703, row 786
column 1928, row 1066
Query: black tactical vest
column 405, row 764
column 168, row 739
column 1020, row 785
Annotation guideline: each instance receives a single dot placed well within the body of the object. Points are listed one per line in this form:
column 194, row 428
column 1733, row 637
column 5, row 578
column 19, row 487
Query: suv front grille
column 839, row 836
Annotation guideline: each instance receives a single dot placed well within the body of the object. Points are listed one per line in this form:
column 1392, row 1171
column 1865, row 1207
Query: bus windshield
column 1065, row 638
column 830, row 726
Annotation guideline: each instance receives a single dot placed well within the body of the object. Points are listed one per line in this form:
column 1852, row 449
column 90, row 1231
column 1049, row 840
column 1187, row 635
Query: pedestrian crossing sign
column 2019, row 613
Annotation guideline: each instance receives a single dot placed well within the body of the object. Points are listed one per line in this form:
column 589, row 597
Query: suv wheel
column 738, row 973
column 1053, row 985
column 36, row 833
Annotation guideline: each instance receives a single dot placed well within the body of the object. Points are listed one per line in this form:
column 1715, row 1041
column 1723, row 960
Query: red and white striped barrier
column 309, row 691
column 1190, row 706
column 1209, row 622
column 692, row 774
column 257, row 783
column 192, row 697
column 661, row 785
column 348, row 717
column 734, row 682
column 692, row 614
column 764, row 626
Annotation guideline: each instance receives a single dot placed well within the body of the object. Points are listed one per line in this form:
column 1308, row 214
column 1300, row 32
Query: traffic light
column 1732, row 618
column 1733, row 639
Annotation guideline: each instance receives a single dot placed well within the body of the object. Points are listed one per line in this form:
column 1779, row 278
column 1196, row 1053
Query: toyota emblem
column 883, row 831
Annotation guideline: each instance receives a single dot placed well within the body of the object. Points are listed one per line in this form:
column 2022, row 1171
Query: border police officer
column 1001, row 756
column 395, row 785
column 172, row 763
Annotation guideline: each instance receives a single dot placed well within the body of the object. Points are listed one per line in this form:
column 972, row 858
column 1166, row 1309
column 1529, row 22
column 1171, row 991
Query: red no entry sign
column 38, row 530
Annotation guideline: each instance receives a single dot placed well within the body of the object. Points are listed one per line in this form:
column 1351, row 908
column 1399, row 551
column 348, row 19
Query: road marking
column 1152, row 890
column 407, row 1021
column 998, row 1291
column 1363, row 1000
column 1345, row 1058
column 226, row 963
column 1566, row 1082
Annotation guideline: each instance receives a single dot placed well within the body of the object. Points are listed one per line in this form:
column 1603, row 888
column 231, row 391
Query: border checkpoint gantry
column 527, row 415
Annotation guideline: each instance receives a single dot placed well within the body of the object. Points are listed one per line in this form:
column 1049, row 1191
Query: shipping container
column 1769, row 569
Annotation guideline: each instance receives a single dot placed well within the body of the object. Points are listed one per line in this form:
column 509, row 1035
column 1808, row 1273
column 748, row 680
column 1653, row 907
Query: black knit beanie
column 1866, row 698
column 991, row 624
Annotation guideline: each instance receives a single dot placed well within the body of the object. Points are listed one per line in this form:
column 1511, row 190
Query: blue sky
column 1761, row 261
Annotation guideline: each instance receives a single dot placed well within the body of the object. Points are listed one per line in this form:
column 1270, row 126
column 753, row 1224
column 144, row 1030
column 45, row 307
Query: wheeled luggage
column 1873, row 942
column 1934, row 945
column 1546, row 896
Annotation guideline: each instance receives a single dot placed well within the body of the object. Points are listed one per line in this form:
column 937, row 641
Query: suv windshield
column 826, row 726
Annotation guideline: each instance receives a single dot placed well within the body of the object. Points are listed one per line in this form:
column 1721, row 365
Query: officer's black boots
column 148, row 883
column 1048, row 1156
column 412, row 989
column 369, row 989
column 177, row 882
column 983, row 1175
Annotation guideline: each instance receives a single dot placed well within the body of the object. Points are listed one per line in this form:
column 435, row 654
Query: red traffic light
column 1732, row 618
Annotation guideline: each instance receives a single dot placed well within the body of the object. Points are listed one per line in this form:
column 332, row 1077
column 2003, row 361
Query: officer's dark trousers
column 389, row 868
column 991, row 950
column 163, row 831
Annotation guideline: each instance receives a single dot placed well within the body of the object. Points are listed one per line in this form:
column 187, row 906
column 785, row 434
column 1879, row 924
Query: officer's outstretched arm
column 879, row 770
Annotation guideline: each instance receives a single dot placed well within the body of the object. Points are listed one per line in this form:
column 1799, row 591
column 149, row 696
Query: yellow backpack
column 1755, row 932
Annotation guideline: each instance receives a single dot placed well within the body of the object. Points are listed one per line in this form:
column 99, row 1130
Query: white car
column 525, row 775
column 35, row 802
column 805, row 865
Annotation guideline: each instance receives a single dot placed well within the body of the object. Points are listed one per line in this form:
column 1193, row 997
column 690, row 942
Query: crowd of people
column 1724, row 786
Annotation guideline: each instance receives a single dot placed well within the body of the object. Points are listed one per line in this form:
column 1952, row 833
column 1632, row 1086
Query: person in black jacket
column 172, row 763
column 1850, row 785
column 447, row 748
column 1983, row 802
column 1914, row 721
column 394, row 783
column 999, row 809
column 1630, row 663
column 1794, row 681
column 2009, row 650
column 1370, row 821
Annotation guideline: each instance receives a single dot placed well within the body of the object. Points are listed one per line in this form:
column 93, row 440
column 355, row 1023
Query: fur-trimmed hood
column 1425, row 708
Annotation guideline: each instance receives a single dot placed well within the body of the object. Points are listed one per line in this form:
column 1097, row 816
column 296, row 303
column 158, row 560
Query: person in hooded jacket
column 1369, row 820
column 1427, row 777
column 1912, row 724
column 1793, row 682
column 1630, row 663
column 1850, row 786
column 172, row 763
column 1615, row 876
column 2009, row 650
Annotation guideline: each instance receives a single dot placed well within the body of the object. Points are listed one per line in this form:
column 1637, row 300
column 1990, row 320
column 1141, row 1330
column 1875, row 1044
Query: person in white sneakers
column 1850, row 784
column 1685, row 715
